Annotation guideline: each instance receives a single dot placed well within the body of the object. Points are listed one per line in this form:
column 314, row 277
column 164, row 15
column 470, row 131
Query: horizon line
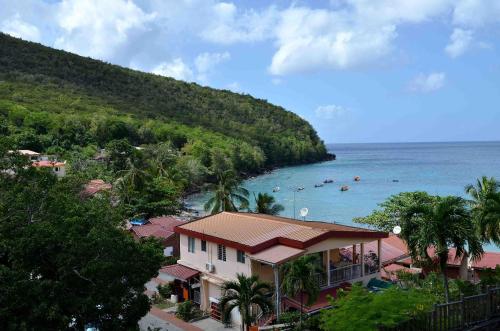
column 413, row 142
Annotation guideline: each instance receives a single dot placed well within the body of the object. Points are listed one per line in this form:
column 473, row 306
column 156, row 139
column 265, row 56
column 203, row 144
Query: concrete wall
column 332, row 243
column 197, row 260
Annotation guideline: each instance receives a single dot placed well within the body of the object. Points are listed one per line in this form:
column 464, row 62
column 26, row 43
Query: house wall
column 224, row 269
column 332, row 243
column 264, row 271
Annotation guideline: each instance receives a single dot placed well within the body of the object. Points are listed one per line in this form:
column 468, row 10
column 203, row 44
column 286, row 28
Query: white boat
column 276, row 189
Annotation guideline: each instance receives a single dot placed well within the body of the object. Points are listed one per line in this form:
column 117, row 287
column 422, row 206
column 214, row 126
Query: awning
column 277, row 254
column 178, row 271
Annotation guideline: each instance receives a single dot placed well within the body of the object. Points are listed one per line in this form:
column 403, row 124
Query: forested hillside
column 51, row 100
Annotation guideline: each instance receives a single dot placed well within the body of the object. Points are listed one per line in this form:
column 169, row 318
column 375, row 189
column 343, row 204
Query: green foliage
column 186, row 311
column 366, row 311
column 430, row 222
column 165, row 290
column 265, row 204
column 106, row 101
column 393, row 209
column 228, row 195
column 485, row 203
column 66, row 260
column 299, row 278
column 244, row 293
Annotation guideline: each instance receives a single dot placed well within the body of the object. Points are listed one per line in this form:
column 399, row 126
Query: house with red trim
column 215, row 248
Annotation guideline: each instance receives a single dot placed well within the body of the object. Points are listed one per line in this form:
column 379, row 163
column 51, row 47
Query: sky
column 357, row 70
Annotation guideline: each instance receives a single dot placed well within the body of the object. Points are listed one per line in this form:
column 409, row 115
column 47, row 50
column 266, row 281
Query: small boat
column 276, row 189
column 318, row 185
column 395, row 180
column 357, row 178
column 300, row 188
column 328, row 181
column 344, row 188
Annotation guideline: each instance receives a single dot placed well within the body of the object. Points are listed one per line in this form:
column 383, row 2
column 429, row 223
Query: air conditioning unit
column 209, row 267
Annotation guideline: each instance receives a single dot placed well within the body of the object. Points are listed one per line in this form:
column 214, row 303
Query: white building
column 215, row 248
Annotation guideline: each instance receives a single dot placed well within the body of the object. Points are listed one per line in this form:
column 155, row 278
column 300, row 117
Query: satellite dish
column 397, row 229
column 303, row 212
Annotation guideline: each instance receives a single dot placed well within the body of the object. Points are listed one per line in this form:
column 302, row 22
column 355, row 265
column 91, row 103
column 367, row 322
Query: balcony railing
column 340, row 275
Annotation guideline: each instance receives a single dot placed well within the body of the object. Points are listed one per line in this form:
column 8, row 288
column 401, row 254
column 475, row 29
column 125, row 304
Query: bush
column 185, row 310
column 364, row 310
column 164, row 290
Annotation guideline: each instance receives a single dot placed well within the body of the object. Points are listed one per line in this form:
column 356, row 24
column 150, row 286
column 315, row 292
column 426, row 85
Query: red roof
column 47, row 164
column 255, row 232
column 95, row 186
column 158, row 227
column 151, row 230
column 168, row 222
column 489, row 260
column 393, row 248
column 179, row 271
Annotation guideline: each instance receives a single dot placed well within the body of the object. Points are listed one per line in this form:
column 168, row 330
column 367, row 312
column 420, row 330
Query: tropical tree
column 485, row 204
column 299, row 279
column 227, row 193
column 265, row 204
column 244, row 294
column 66, row 262
column 440, row 224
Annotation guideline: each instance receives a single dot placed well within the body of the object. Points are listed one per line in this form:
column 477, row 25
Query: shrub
column 164, row 290
column 364, row 310
column 185, row 310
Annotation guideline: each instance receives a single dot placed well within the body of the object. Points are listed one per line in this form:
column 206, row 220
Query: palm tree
column 485, row 203
column 244, row 293
column 299, row 279
column 440, row 224
column 226, row 193
column 264, row 204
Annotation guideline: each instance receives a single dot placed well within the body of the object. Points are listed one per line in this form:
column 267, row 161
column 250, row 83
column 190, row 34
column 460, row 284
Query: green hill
column 58, row 101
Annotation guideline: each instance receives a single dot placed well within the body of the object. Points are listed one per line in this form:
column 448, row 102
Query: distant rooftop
column 256, row 232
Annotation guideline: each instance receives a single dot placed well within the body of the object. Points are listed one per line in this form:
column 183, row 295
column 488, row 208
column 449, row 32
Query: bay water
column 384, row 169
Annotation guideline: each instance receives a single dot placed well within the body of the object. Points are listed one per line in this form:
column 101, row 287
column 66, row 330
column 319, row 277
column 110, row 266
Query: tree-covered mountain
column 58, row 101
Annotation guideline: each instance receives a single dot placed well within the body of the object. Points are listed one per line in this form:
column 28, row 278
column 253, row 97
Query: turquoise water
column 438, row 168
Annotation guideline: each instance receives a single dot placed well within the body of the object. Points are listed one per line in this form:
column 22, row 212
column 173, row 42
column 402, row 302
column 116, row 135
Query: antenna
column 396, row 229
column 303, row 212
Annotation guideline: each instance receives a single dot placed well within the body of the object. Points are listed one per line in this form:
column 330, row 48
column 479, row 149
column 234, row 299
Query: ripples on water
column 438, row 168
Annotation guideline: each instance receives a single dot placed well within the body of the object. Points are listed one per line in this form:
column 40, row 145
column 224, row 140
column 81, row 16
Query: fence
column 457, row 315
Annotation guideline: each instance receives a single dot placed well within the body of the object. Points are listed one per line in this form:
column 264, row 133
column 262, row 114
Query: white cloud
column 228, row 25
column 203, row 66
column 176, row 69
column 329, row 112
column 235, row 87
column 476, row 13
column 358, row 34
column 206, row 62
column 428, row 83
column 460, row 41
column 16, row 27
column 96, row 28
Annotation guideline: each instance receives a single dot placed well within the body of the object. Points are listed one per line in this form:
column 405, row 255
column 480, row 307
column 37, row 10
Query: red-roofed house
column 58, row 168
column 396, row 257
column 95, row 186
column 220, row 246
column 163, row 229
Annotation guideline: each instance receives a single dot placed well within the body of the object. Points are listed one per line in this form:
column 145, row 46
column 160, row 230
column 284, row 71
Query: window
column 221, row 252
column 190, row 244
column 240, row 256
column 204, row 245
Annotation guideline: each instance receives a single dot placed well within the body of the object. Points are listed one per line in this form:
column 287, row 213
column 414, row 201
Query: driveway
column 163, row 321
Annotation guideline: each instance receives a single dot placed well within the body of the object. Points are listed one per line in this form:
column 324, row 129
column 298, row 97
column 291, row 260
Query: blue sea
column 384, row 169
